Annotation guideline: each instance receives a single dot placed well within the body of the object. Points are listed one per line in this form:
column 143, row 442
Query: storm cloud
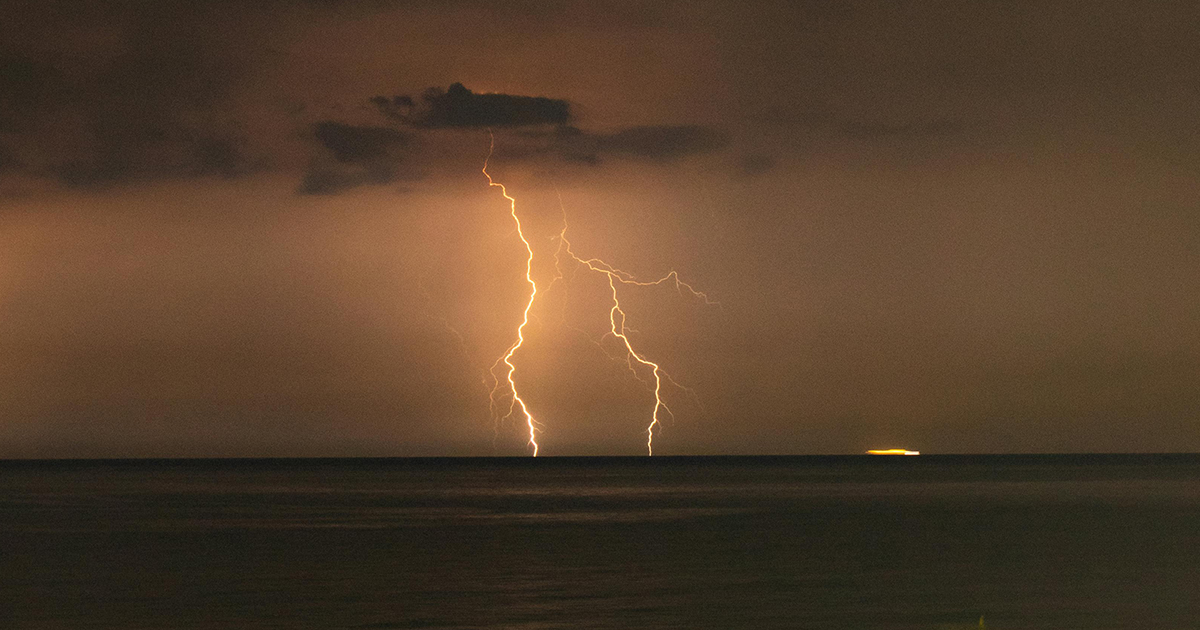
column 459, row 107
column 948, row 226
column 651, row 143
column 353, row 155
column 352, row 144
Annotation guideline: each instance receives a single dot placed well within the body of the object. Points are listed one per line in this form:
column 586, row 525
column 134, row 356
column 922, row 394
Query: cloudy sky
column 235, row 230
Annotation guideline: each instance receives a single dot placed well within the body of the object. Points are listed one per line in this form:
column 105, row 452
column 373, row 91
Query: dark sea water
column 925, row 542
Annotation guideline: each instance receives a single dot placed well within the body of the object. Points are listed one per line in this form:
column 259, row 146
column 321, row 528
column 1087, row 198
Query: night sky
column 234, row 230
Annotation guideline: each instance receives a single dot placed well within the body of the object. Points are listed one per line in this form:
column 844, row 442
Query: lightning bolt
column 617, row 321
column 515, row 397
column 616, row 316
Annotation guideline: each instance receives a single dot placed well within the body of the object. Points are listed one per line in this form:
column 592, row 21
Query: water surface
column 925, row 542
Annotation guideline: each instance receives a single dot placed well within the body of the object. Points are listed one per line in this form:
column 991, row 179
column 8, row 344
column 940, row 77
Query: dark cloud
column 459, row 107
column 654, row 143
column 353, row 156
column 353, row 144
column 399, row 108
column 1076, row 159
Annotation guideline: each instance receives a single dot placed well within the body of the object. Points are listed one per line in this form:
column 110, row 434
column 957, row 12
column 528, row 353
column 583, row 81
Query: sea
column 928, row 542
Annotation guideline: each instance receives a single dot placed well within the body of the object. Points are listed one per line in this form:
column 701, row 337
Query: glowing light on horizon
column 617, row 323
column 892, row 451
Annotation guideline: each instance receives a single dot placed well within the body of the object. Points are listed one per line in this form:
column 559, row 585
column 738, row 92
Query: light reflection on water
column 774, row 543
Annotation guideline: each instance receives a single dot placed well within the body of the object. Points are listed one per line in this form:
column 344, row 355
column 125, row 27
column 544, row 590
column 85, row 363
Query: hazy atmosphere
column 958, row 227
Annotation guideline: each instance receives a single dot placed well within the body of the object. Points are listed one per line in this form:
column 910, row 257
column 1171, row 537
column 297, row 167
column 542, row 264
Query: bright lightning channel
column 507, row 358
column 616, row 316
column 617, row 319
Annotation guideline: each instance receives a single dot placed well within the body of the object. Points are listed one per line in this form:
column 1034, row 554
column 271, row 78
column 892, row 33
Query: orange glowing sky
column 956, row 229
